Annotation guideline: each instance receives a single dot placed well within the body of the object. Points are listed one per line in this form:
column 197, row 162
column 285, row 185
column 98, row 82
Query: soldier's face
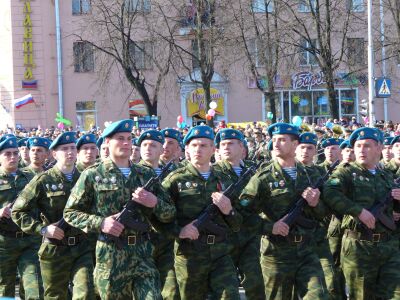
column 201, row 150
column 120, row 145
column 348, row 155
column 305, row 153
column 366, row 152
column 231, row 149
column 396, row 150
column 135, row 157
column 104, row 151
column 9, row 159
column 87, row 153
column 24, row 151
column 65, row 154
column 171, row 149
column 332, row 153
column 284, row 146
column 150, row 150
column 387, row 152
column 38, row 155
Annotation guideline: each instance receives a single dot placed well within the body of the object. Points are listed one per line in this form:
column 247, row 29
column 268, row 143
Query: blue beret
column 6, row 136
column 38, row 142
column 201, row 131
column 308, row 138
column 119, row 126
column 366, row 133
column 23, row 142
column 88, row 138
column 283, row 128
column 387, row 140
column 228, row 134
column 345, row 144
column 172, row 133
column 135, row 142
column 100, row 141
column 64, row 138
column 270, row 145
column 330, row 142
column 395, row 140
column 151, row 134
column 8, row 142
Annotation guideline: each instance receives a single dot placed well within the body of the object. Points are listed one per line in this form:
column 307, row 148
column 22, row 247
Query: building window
column 256, row 51
column 80, row 7
column 307, row 5
column 262, row 6
column 348, row 102
column 142, row 55
column 86, row 114
column 356, row 5
column 196, row 55
column 307, row 57
column 190, row 13
column 83, row 57
column 143, row 6
column 355, row 51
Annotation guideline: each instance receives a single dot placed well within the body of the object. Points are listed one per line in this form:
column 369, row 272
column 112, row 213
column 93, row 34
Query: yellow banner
column 196, row 103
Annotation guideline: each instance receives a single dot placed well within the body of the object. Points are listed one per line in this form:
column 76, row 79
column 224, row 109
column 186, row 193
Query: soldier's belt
column 67, row 241
column 211, row 239
column 373, row 237
column 130, row 240
column 13, row 234
column 291, row 238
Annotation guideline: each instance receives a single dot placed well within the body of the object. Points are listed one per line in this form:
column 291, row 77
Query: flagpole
column 59, row 60
column 370, row 68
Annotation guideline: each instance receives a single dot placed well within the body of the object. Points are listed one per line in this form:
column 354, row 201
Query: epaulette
column 176, row 172
column 264, row 169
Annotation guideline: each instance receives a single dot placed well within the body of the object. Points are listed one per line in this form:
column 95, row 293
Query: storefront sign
column 196, row 103
column 307, row 80
column 29, row 63
column 147, row 122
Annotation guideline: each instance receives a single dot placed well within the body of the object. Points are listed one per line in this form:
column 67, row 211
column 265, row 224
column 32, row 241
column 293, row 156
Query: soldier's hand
column 5, row 212
column 311, row 196
column 367, row 218
column 144, row 197
column 396, row 194
column 396, row 216
column 189, row 231
column 53, row 232
column 280, row 228
column 223, row 202
column 112, row 226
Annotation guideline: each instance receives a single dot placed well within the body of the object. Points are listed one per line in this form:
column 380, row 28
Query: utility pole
column 370, row 68
column 385, row 100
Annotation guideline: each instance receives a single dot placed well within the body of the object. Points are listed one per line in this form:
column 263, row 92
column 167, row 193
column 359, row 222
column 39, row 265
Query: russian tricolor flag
column 23, row 101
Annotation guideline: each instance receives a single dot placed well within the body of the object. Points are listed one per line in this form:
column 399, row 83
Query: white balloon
column 213, row 105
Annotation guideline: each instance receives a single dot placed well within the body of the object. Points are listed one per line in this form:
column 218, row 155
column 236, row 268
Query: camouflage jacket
column 47, row 193
column 391, row 167
column 31, row 171
column 272, row 193
column 352, row 188
column 102, row 191
column 10, row 187
column 191, row 194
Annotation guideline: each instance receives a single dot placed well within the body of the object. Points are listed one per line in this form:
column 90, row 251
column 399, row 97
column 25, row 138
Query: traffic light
column 363, row 108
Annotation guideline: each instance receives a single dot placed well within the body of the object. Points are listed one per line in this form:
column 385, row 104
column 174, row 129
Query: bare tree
column 122, row 33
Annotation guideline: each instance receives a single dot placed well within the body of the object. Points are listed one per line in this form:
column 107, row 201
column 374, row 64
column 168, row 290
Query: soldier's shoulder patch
column 265, row 169
column 333, row 181
column 244, row 202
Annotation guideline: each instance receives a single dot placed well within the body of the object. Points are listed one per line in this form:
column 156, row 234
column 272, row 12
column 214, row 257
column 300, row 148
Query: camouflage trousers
column 20, row 254
column 163, row 255
column 290, row 268
column 371, row 269
column 203, row 270
column 126, row 273
column 246, row 257
column 63, row 266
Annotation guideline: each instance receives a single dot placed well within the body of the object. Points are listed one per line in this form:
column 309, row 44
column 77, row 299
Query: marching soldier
column 64, row 255
column 246, row 242
column 87, row 151
column 347, row 152
column 38, row 153
column 288, row 258
column 369, row 254
column 24, row 153
column 171, row 147
column 135, row 156
column 332, row 152
column 18, row 251
column 124, row 264
column 202, row 259
column 394, row 163
column 387, row 154
column 104, row 152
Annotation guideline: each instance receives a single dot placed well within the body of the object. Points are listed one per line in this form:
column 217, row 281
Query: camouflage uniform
column 370, row 264
column 102, row 191
column 246, row 244
column 392, row 167
column 62, row 262
column 288, row 263
column 205, row 265
column 18, row 251
column 31, row 171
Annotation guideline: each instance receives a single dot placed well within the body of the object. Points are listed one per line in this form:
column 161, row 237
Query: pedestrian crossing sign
column 383, row 87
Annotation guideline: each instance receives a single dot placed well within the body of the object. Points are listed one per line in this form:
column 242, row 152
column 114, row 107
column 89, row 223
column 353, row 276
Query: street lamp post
column 371, row 116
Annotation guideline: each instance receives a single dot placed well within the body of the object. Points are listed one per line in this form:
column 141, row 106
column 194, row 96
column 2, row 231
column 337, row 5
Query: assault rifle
column 295, row 215
column 129, row 214
column 204, row 221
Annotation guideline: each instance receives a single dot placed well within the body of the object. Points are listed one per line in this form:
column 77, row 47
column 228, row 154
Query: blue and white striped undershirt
column 13, row 174
column 292, row 172
column 68, row 176
column 158, row 171
column 205, row 174
column 125, row 171
column 238, row 170
column 373, row 171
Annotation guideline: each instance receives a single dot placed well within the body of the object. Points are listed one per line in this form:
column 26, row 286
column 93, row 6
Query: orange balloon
column 208, row 117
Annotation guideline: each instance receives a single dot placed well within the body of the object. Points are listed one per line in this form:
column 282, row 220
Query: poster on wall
column 196, row 103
